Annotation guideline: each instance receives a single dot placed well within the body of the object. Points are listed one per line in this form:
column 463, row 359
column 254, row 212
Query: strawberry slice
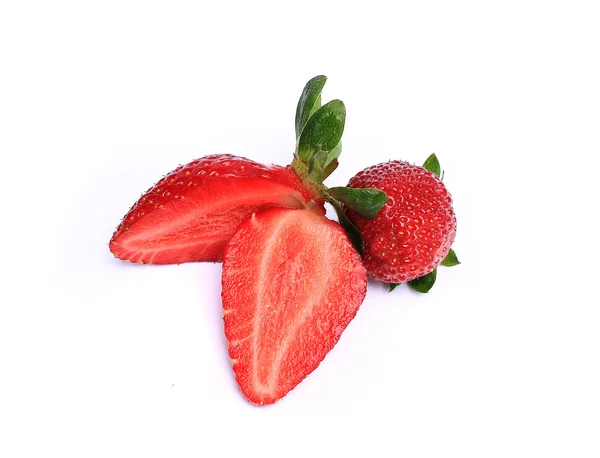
column 292, row 282
column 192, row 212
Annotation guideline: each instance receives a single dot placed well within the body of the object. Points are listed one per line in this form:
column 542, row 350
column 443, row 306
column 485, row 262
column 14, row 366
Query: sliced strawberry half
column 292, row 282
column 192, row 212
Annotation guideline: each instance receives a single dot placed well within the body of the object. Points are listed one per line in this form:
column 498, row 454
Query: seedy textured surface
column 191, row 213
column 413, row 232
column 291, row 284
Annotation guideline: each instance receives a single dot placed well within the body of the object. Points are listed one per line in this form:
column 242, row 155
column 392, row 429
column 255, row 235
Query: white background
column 98, row 100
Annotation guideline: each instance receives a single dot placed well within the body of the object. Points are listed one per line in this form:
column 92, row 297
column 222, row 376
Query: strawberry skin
column 291, row 283
column 191, row 213
column 412, row 234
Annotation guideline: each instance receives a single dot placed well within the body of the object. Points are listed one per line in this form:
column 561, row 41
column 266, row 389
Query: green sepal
column 332, row 157
column 316, row 166
column 353, row 233
column 330, row 168
column 425, row 283
column 309, row 102
column 451, row 259
column 392, row 286
column 322, row 132
column 366, row 202
column 323, row 163
column 433, row 165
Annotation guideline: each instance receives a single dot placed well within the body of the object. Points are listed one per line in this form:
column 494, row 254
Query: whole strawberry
column 412, row 234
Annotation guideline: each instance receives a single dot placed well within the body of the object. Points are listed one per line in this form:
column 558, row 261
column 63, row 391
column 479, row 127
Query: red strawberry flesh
column 292, row 282
column 191, row 213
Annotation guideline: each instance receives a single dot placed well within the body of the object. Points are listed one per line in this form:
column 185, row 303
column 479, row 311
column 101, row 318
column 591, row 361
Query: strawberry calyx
column 319, row 132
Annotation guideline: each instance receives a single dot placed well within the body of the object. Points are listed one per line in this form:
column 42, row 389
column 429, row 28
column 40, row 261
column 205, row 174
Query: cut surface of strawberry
column 191, row 213
column 292, row 282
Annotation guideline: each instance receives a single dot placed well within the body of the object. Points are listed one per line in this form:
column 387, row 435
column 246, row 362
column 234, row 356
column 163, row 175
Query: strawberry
column 414, row 230
column 292, row 282
column 191, row 213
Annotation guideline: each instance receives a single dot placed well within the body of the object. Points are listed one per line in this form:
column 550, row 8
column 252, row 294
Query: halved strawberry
column 292, row 282
column 192, row 212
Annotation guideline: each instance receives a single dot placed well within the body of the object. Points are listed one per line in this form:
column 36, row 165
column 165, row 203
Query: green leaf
column 392, row 287
column 353, row 233
column 425, row 283
column 365, row 201
column 322, row 132
column 451, row 259
column 309, row 102
column 433, row 165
